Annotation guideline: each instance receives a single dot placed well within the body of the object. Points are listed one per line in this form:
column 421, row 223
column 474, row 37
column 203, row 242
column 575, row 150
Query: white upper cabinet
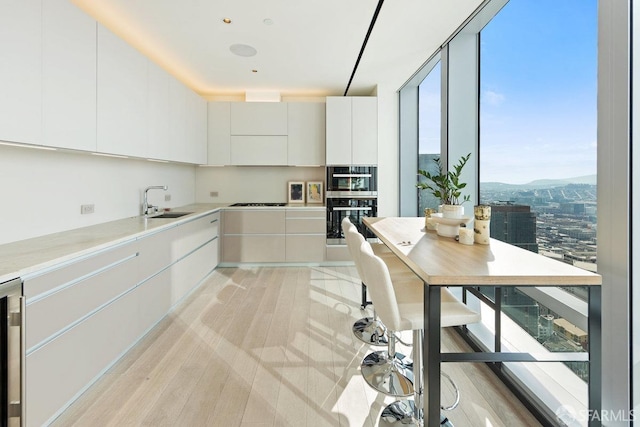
column 122, row 97
column 338, row 130
column 306, row 142
column 68, row 76
column 158, row 113
column 364, row 130
column 219, row 133
column 196, row 128
column 21, row 71
column 177, row 121
column 259, row 118
column 352, row 130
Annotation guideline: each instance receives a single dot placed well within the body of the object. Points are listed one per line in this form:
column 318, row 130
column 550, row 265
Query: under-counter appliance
column 12, row 353
column 352, row 192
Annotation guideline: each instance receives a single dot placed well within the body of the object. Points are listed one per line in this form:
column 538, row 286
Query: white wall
column 41, row 191
column 250, row 184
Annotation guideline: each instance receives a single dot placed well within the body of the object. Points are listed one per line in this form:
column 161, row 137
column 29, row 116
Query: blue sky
column 537, row 92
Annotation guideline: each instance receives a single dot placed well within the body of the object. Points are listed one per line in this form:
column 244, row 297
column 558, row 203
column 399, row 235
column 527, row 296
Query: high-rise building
column 514, row 224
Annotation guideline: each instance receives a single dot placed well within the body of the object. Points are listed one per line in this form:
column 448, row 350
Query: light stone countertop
column 20, row 258
column 23, row 257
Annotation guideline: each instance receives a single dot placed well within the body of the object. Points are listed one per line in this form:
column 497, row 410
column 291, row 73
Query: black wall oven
column 355, row 180
column 352, row 192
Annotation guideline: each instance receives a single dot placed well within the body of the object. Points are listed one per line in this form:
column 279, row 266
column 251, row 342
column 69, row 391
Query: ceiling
column 309, row 49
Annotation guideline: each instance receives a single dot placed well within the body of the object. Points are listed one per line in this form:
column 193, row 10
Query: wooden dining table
column 443, row 262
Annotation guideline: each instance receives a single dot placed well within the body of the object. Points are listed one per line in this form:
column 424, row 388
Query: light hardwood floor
column 258, row 347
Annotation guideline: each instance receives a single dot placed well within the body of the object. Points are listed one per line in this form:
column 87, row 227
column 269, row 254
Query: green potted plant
column 447, row 187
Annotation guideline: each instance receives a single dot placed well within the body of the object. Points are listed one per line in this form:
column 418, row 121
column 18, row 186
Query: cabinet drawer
column 306, row 213
column 254, row 248
column 306, row 226
column 188, row 272
column 57, row 372
column 156, row 252
column 250, row 221
column 54, row 312
column 74, row 269
column 193, row 234
column 306, row 248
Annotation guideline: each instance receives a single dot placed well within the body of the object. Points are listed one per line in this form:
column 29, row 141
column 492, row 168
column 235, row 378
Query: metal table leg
column 431, row 355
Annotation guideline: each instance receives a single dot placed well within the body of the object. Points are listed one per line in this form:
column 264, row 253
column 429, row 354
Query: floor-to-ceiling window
column 536, row 156
column 537, row 161
column 429, row 131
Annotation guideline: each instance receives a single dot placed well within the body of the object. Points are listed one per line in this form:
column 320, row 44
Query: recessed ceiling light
column 268, row 21
column 226, row 20
column 254, row 71
column 243, row 50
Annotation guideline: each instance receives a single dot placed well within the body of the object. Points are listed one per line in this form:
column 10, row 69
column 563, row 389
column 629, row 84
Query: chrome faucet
column 146, row 207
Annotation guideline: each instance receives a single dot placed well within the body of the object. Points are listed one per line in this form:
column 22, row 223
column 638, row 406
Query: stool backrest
column 380, row 287
column 354, row 240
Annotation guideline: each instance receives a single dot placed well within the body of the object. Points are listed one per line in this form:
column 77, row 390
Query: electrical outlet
column 213, row 194
column 167, row 197
column 86, row 209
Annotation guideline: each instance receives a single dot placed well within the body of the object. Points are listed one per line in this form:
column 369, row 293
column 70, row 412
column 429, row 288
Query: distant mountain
column 587, row 179
column 540, row 183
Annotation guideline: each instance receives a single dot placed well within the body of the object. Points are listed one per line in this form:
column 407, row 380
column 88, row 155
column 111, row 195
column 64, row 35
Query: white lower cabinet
column 306, row 235
column 84, row 314
column 274, row 235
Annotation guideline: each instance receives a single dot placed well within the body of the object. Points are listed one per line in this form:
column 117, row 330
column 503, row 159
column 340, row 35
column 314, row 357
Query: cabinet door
column 177, row 121
column 258, row 150
column 364, row 130
column 338, row 130
column 158, row 113
column 122, row 96
column 258, row 118
column 306, row 134
column 196, row 138
column 219, row 133
column 69, row 76
column 20, row 71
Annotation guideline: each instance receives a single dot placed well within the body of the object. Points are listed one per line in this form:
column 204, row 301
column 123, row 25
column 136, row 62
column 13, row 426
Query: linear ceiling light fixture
column 364, row 43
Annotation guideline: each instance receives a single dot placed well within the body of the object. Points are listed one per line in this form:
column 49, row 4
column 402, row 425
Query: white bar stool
column 371, row 330
column 387, row 371
column 400, row 310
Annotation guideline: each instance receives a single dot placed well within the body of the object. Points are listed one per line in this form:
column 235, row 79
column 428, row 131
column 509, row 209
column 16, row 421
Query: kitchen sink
column 171, row 215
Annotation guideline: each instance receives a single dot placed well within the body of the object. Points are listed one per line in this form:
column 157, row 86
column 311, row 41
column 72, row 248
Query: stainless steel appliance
column 352, row 180
column 12, row 353
column 352, row 191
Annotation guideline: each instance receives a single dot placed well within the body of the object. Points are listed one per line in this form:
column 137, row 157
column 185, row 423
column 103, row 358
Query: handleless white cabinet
column 258, row 118
column 68, row 76
column 21, row 71
column 219, row 133
column 122, row 96
column 352, row 130
column 158, row 114
column 306, row 134
column 196, row 137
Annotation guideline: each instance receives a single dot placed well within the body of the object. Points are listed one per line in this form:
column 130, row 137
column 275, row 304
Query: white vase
column 452, row 211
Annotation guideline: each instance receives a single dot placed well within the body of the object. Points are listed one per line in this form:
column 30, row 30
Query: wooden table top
column 443, row 261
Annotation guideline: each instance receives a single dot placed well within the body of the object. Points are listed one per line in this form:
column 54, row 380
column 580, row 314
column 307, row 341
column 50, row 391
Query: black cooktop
column 259, row 204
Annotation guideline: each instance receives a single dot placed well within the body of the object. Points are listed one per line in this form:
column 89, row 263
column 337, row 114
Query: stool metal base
column 401, row 414
column 370, row 331
column 391, row 376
